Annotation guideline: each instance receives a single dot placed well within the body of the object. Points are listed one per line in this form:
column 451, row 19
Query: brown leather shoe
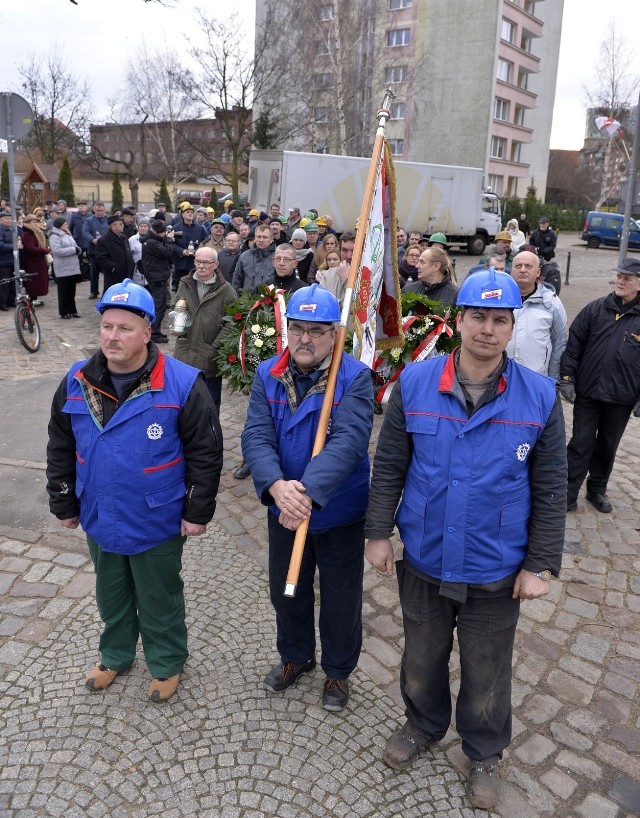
column 99, row 677
column 162, row 689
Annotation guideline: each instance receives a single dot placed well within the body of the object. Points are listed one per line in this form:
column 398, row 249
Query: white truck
column 430, row 198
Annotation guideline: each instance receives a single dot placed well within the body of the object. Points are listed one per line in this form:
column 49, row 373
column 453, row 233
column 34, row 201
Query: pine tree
column 163, row 194
column 213, row 201
column 532, row 205
column 264, row 132
column 65, row 184
column 117, row 199
column 4, row 181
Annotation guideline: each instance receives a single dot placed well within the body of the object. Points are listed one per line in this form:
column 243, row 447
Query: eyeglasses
column 314, row 332
column 288, row 259
column 205, row 263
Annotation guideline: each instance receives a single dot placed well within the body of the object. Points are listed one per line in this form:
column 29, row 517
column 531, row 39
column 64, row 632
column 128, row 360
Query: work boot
column 335, row 694
column 162, row 689
column 600, row 503
column 282, row 676
column 99, row 677
column 483, row 784
column 402, row 748
column 242, row 472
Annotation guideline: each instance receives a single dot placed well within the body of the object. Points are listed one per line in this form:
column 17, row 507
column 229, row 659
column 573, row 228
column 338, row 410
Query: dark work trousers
column 142, row 595
column 214, row 385
column 339, row 556
column 597, row 430
column 158, row 290
column 486, row 627
column 7, row 288
column 94, row 275
column 67, row 294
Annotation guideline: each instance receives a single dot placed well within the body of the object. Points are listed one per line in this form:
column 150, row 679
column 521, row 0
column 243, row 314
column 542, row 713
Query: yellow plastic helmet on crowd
column 304, row 221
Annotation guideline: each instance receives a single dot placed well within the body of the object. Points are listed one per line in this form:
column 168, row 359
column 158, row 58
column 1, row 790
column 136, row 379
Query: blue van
column 606, row 228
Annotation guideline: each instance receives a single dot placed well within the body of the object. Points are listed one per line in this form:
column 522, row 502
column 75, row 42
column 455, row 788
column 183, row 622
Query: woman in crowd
column 408, row 267
column 66, row 262
column 306, row 265
column 35, row 252
column 518, row 239
column 329, row 242
column 329, row 277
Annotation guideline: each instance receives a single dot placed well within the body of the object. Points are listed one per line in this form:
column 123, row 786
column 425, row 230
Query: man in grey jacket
column 255, row 266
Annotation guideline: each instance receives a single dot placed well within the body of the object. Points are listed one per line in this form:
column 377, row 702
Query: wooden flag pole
column 338, row 348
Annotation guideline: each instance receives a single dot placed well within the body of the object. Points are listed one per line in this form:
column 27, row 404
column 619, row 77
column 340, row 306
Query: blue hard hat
column 128, row 296
column 313, row 303
column 226, row 218
column 489, row 289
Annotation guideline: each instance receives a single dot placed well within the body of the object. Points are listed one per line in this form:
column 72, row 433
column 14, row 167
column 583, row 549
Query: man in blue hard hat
column 134, row 456
column 331, row 489
column 470, row 466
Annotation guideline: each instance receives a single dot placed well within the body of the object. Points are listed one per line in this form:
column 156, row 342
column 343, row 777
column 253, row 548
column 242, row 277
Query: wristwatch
column 545, row 575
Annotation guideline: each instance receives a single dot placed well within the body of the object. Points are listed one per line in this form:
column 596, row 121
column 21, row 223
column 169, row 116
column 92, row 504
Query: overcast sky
column 99, row 38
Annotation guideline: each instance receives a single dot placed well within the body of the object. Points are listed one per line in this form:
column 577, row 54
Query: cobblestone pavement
column 222, row 747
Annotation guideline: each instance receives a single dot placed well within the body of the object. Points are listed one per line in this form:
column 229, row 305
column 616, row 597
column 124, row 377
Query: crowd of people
column 471, row 463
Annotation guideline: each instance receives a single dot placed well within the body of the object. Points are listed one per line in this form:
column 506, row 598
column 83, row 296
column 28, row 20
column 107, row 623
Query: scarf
column 38, row 232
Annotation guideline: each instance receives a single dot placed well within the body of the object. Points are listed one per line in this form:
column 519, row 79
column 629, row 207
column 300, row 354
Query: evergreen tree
column 65, row 184
column 213, row 201
column 264, row 132
column 163, row 194
column 4, row 181
column 532, row 205
column 117, row 199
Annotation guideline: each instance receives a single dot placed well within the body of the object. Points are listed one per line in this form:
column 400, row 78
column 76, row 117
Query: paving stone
column 38, row 552
column 12, row 653
column 626, row 791
column 37, row 572
column 36, row 630
column 10, row 625
column 626, row 667
column 582, row 670
column 618, row 684
column 571, row 762
column 587, row 610
column 626, row 763
column 15, row 565
column 559, row 783
column 535, row 749
column 628, row 736
column 612, row 706
column 586, row 592
column 71, row 560
column 13, row 547
column 541, row 709
column 56, row 608
column 6, row 581
column 34, row 589
column 569, row 688
column 570, row 738
column 595, row 806
column 80, row 586
column 590, row 647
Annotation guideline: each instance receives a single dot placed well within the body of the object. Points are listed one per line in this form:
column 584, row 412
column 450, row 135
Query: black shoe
column 65, row 317
column 335, row 694
column 377, row 408
column 160, row 339
column 600, row 503
column 402, row 748
column 4, row 309
column 483, row 785
column 93, row 296
column 282, row 676
column 75, row 315
column 572, row 506
column 242, row 472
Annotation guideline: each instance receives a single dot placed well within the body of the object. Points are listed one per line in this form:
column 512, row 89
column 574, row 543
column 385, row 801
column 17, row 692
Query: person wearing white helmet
column 330, row 488
column 471, row 468
column 134, row 457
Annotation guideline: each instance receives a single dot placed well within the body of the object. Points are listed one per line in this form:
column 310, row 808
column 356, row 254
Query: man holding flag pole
column 315, row 390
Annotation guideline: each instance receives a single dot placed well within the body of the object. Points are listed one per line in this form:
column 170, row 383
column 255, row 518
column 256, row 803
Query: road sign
column 16, row 116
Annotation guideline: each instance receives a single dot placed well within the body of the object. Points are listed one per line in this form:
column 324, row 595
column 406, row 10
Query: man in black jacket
column 113, row 254
column 544, row 239
column 157, row 252
column 600, row 375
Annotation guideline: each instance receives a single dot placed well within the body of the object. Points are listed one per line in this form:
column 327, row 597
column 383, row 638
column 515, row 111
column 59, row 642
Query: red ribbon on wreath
column 420, row 353
column 276, row 297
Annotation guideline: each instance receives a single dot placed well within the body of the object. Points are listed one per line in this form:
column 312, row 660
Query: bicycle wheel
column 27, row 327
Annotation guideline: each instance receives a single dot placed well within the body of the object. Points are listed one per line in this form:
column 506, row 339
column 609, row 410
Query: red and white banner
column 376, row 308
column 611, row 126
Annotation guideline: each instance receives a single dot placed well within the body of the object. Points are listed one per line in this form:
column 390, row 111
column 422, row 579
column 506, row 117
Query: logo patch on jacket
column 154, row 431
column 522, row 451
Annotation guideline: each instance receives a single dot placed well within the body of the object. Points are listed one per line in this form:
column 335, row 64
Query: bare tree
column 612, row 96
column 61, row 106
column 230, row 81
column 159, row 98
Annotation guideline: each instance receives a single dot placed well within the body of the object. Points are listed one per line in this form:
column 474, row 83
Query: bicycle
column 27, row 325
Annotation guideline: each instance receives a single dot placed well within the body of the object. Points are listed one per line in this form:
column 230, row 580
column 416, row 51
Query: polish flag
column 611, row 126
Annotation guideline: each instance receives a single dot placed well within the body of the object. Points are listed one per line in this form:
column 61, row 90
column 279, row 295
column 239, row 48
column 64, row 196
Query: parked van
column 606, row 228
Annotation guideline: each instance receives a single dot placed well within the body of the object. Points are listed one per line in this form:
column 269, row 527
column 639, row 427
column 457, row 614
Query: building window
column 501, row 109
column 321, row 147
column 495, row 184
column 398, row 110
column 394, row 5
column 396, row 73
column 515, row 151
column 505, row 70
column 508, row 32
column 397, row 146
column 321, row 114
column 211, row 134
column 518, row 117
column 498, row 147
column 399, row 36
column 322, row 48
column 326, row 12
column 116, row 156
column 149, row 158
column 321, row 81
